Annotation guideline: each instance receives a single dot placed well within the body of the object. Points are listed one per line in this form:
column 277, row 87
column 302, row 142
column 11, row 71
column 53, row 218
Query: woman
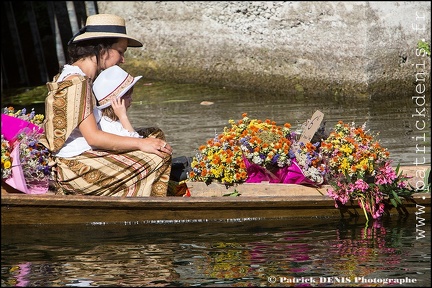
column 87, row 160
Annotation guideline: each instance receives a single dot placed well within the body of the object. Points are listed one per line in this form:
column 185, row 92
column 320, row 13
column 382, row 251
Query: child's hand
column 119, row 107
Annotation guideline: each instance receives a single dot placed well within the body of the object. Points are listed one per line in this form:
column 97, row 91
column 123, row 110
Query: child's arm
column 120, row 110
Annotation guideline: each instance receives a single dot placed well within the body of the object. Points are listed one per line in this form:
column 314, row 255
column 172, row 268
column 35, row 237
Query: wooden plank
column 200, row 189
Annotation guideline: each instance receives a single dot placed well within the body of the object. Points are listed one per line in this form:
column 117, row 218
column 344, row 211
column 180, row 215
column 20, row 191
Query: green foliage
column 394, row 192
column 421, row 44
column 25, row 97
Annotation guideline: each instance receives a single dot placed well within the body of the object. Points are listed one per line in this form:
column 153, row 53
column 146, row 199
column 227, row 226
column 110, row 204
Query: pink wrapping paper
column 11, row 126
column 288, row 175
column 17, row 180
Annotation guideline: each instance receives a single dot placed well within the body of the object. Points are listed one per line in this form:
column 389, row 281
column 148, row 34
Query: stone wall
column 336, row 48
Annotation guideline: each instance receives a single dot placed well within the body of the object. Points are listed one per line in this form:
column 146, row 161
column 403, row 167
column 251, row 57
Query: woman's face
column 115, row 54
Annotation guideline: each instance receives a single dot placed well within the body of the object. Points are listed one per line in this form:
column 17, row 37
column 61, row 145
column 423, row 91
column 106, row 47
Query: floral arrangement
column 264, row 143
column 6, row 161
column 310, row 160
column 33, row 157
column 253, row 150
column 31, row 117
column 359, row 168
column 350, row 159
column 223, row 158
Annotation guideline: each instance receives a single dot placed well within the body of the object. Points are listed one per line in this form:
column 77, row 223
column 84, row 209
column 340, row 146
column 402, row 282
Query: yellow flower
column 345, row 165
column 346, row 149
column 7, row 164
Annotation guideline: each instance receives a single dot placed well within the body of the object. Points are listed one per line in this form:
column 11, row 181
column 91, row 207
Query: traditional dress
column 79, row 169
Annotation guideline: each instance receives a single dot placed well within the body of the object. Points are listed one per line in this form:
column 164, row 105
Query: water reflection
column 223, row 254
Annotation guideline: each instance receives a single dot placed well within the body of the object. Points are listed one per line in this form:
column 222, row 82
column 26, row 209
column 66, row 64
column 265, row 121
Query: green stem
column 367, row 219
column 364, row 210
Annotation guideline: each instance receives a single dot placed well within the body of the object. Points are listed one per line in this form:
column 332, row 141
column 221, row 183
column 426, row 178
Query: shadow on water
column 179, row 111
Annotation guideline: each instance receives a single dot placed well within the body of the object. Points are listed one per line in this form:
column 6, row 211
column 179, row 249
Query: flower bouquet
column 221, row 159
column 359, row 168
column 24, row 161
column 250, row 151
column 265, row 147
column 13, row 122
column 311, row 162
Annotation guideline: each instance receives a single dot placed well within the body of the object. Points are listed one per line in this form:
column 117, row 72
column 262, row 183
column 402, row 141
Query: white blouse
column 115, row 127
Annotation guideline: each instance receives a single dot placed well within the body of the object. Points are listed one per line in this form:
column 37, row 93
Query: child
column 113, row 89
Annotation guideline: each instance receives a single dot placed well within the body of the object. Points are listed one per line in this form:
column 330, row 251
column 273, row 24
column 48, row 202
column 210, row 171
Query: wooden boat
column 206, row 203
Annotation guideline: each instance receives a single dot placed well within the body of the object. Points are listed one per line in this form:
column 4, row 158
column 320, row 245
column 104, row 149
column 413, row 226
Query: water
column 177, row 109
column 245, row 253
column 328, row 252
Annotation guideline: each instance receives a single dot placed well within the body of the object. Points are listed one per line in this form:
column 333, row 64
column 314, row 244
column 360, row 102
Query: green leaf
column 396, row 197
column 397, row 169
column 427, row 186
column 233, row 194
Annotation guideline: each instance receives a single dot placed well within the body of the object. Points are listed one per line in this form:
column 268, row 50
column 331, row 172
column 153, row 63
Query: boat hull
column 207, row 203
column 56, row 209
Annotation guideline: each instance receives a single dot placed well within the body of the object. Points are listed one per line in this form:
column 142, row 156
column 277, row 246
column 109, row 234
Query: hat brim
column 121, row 94
column 132, row 42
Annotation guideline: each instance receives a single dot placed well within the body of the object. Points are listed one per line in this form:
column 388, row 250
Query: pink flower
column 379, row 212
column 361, row 185
column 386, row 175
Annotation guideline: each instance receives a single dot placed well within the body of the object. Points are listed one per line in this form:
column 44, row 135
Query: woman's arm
column 111, row 142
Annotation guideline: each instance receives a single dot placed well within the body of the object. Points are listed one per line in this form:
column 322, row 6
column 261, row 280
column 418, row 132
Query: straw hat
column 112, row 83
column 104, row 26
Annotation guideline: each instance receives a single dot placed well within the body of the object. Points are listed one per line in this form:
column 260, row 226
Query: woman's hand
column 156, row 146
column 108, row 141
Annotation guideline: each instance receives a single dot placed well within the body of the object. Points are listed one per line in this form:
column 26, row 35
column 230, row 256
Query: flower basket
column 18, row 181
